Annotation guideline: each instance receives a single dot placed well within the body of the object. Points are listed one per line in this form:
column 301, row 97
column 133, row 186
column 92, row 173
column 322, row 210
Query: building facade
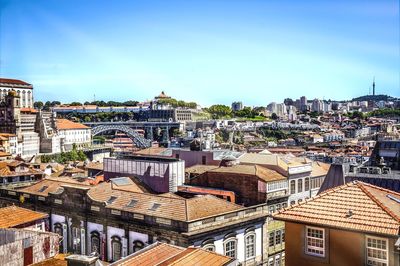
column 161, row 174
column 114, row 222
column 23, row 89
column 353, row 224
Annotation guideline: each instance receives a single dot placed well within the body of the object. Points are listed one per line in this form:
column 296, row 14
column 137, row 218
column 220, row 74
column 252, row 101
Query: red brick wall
column 245, row 186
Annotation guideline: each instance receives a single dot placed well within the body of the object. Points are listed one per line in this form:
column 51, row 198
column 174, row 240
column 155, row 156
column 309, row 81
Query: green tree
column 219, row 111
column 38, row 105
column 81, row 156
column 274, row 116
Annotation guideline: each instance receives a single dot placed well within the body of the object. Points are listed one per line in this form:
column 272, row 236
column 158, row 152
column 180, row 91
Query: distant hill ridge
column 375, row 98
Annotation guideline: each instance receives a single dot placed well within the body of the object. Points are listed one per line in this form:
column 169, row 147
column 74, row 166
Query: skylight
column 132, row 203
column 155, row 206
column 393, row 198
column 111, row 200
column 42, row 189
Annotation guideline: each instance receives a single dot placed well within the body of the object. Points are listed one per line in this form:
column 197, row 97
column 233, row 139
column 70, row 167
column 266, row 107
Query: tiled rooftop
column 13, row 81
column 355, row 206
column 170, row 206
column 161, row 254
column 175, row 208
column 67, row 124
column 262, row 173
column 13, row 216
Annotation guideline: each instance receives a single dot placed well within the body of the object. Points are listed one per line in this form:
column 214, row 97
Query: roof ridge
column 378, row 187
column 377, row 201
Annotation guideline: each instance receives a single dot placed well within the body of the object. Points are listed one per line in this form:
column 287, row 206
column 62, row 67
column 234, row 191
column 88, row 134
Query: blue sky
column 206, row 51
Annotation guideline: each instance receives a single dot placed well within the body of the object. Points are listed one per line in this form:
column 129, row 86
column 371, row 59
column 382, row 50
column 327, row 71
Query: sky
column 210, row 52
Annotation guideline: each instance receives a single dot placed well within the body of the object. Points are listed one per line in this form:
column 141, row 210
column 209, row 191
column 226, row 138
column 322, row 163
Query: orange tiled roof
column 13, row 81
column 161, row 254
column 153, row 256
column 175, row 208
column 372, row 210
column 13, row 216
column 67, row 124
column 43, row 187
column 197, row 256
column 262, row 173
column 28, row 110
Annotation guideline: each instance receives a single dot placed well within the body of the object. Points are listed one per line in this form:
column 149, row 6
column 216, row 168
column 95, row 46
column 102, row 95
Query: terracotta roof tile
column 13, row 81
column 153, row 256
column 371, row 209
column 13, row 216
column 174, row 208
column 161, row 254
column 65, row 124
column 262, row 173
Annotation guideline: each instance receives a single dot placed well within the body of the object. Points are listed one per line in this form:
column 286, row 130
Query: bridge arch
column 137, row 139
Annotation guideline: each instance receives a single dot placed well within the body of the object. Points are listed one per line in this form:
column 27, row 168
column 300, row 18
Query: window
column 137, row 245
column 271, row 241
column 116, row 248
column 155, row 206
column 277, row 260
column 292, row 187
column 208, row 245
column 95, row 242
column 377, row 251
column 307, row 184
column 230, row 247
column 203, row 160
column 111, row 200
column 250, row 245
column 299, row 185
column 315, row 241
column 271, row 209
column 278, row 235
column 292, row 202
column 131, row 203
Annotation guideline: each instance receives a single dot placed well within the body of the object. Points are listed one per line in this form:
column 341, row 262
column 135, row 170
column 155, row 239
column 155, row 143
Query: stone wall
column 13, row 243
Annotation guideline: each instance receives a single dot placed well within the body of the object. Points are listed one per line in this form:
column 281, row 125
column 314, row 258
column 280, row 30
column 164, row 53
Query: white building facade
column 23, row 89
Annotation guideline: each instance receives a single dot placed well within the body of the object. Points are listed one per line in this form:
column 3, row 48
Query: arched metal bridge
column 138, row 140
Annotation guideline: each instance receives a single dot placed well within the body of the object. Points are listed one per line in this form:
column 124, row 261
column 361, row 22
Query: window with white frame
column 377, row 251
column 230, row 247
column 300, row 185
column 250, row 241
column 315, row 241
column 208, row 245
column 292, row 187
column 307, row 184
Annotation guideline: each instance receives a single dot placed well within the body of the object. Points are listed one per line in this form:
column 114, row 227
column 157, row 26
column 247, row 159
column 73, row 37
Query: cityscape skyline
column 228, row 51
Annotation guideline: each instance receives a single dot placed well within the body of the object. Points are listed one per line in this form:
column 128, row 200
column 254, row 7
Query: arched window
column 163, row 240
column 58, row 229
column 208, row 245
column 292, row 187
column 230, row 243
column 95, row 242
column 250, row 245
column 137, row 245
column 299, row 185
column 307, row 184
column 116, row 248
